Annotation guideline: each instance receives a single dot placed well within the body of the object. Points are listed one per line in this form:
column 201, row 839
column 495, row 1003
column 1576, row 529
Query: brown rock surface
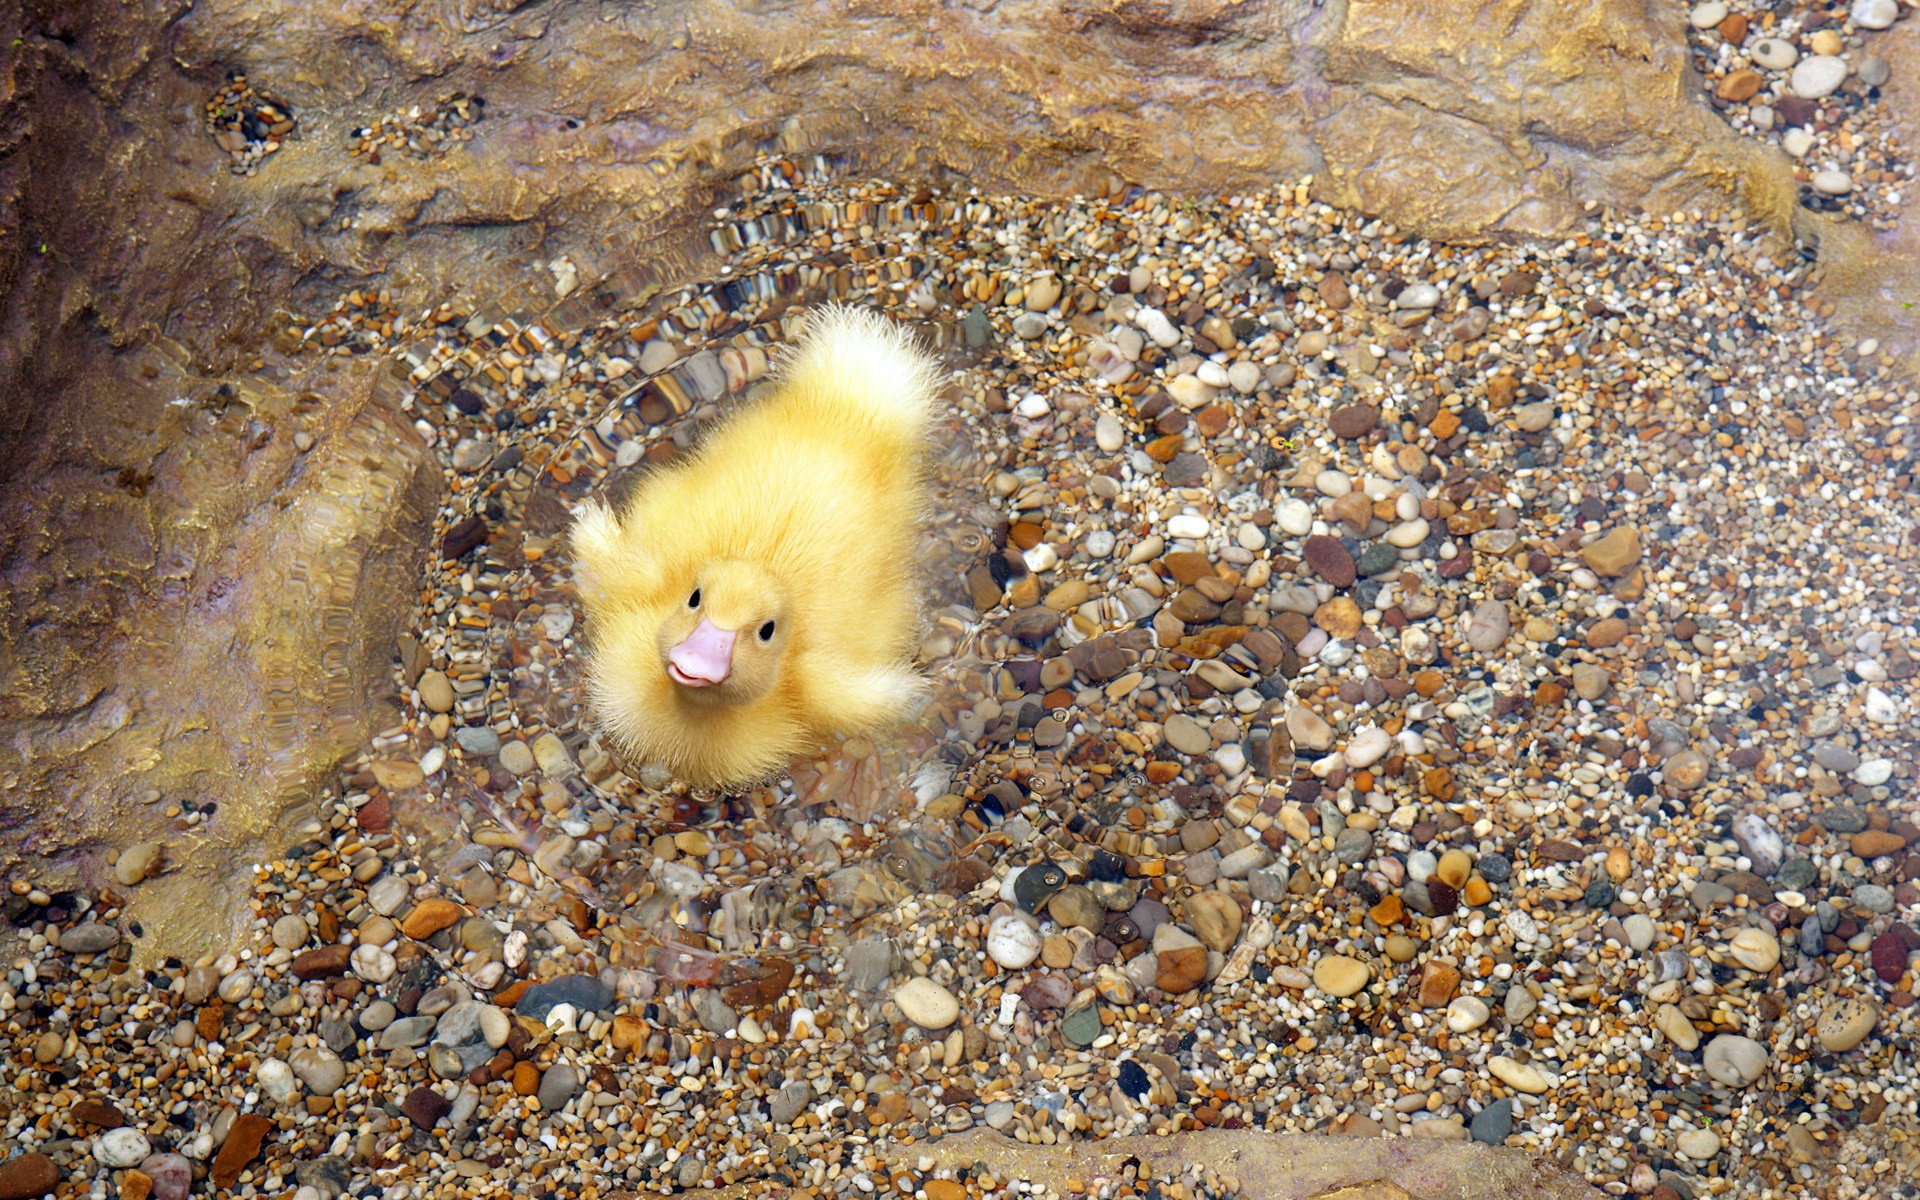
column 1269, row 1166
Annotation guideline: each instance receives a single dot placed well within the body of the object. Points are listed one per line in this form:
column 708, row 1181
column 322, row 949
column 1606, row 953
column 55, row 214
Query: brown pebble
column 28, row 1175
column 1872, row 843
column 325, row 962
column 241, row 1147
column 1605, row 633
column 1439, row 982
column 1329, row 560
column 1740, row 86
column 430, row 916
column 99, row 1113
column 1353, row 420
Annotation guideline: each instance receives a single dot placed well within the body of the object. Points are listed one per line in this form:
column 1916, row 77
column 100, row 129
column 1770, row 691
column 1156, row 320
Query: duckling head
column 724, row 643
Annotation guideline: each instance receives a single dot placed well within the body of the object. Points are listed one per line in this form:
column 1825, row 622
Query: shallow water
column 1631, row 809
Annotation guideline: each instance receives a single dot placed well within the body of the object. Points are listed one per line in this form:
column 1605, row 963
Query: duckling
column 751, row 601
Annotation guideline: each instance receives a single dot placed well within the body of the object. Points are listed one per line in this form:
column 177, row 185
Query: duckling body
column 761, row 595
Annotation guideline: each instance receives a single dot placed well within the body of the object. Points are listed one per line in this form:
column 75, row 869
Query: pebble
column 1493, row 1124
column 291, row 932
column 559, row 1083
column 1874, row 14
column 121, row 1148
column 1338, row 975
column 171, row 1173
column 1734, row 1061
column 1489, row 626
column 136, row 862
column 319, row 1069
column 1708, row 14
column 1521, row 1077
column 1844, row 1024
column 1673, row 1024
column 516, row 756
column 1818, row 75
column 26, row 1176
column 926, row 1003
column 1012, row 942
column 1467, row 1013
column 1755, row 949
column 1699, row 1144
column 1775, row 54
column 275, row 1079
column 90, row 938
column 1760, row 842
column 1831, row 182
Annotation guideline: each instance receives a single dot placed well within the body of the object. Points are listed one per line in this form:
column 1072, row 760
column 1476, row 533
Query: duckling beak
column 704, row 658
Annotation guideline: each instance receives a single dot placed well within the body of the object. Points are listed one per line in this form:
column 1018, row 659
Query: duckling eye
column 766, row 632
column 693, row 601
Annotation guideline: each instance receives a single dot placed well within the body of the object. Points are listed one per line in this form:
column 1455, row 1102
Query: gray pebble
column 560, row 1084
column 1873, row 898
column 1493, row 1123
column 789, row 1102
column 477, row 739
column 869, row 962
column 377, row 1016
column 1353, row 845
column 91, row 938
column 407, row 1031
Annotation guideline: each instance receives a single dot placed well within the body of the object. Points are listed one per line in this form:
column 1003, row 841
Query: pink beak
column 704, row 658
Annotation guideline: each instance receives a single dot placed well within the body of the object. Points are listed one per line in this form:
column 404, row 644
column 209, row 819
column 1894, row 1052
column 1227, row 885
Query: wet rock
column 172, row 1175
column 585, row 993
column 1734, row 1061
column 1760, row 842
column 1329, row 560
column 926, row 1003
column 27, row 1175
column 424, row 1107
column 91, row 938
column 242, row 1146
column 558, row 1084
column 1493, row 1123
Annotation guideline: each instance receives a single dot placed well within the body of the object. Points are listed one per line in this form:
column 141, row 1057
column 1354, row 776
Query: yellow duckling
column 761, row 595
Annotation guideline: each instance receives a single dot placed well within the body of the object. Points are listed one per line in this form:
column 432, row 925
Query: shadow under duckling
column 750, row 602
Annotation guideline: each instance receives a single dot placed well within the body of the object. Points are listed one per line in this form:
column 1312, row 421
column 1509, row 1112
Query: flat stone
column 584, row 993
column 1845, row 1024
column 1339, row 975
column 1734, row 1061
column 1353, row 420
column 926, row 1003
column 430, row 916
column 241, row 1148
column 1493, row 1123
column 90, row 938
column 324, row 962
column 1329, row 560
column 27, row 1175
column 1818, row 75
column 1186, row 735
column 1614, row 553
column 1521, row 1077
column 559, row 1084
column 424, row 1107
